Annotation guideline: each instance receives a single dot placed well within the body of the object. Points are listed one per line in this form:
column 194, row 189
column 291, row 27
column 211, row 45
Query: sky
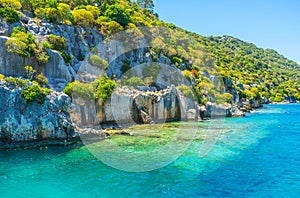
column 273, row 24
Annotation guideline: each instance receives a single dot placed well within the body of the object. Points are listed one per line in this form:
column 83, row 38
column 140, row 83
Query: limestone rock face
column 130, row 106
column 22, row 122
column 55, row 70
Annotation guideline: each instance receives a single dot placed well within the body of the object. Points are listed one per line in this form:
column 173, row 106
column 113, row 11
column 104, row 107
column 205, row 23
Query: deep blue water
column 256, row 156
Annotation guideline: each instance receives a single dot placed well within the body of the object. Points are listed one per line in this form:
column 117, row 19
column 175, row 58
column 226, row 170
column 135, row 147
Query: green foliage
column 110, row 28
column 77, row 89
column 151, row 70
column 146, row 4
column 23, row 44
column 13, row 4
column 29, row 71
column 116, row 13
column 16, row 81
column 83, row 17
column 41, row 79
column 97, row 61
column 35, row 93
column 57, row 42
column 186, row 91
column 104, row 88
column 134, row 82
column 67, row 58
column 126, row 66
column 9, row 14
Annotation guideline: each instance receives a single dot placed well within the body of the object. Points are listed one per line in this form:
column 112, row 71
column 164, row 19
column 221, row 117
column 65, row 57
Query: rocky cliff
column 23, row 123
column 130, row 106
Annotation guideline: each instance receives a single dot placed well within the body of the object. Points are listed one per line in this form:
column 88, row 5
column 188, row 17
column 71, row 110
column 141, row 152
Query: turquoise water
column 256, row 156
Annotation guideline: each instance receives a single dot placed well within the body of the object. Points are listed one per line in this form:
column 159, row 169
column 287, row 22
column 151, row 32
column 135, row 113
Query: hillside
column 254, row 72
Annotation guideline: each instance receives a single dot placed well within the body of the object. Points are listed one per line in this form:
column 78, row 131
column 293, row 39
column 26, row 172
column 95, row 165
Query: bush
column 110, row 28
column 104, row 88
column 80, row 90
column 43, row 57
column 2, row 77
column 35, row 93
column 186, row 91
column 97, row 61
column 134, row 82
column 151, row 70
column 16, row 46
column 10, row 15
column 13, row 4
column 41, row 79
column 56, row 42
column 116, row 13
column 67, row 58
column 16, row 81
column 126, row 66
column 83, row 17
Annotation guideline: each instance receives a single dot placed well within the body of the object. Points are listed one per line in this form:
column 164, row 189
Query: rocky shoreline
column 59, row 121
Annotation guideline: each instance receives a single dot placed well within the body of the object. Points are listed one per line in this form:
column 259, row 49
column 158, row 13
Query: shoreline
column 108, row 130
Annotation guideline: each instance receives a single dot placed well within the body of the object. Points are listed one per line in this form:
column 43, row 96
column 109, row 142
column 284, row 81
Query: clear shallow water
column 257, row 156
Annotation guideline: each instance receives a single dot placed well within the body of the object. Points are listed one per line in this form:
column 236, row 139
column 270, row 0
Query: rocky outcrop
column 130, row 106
column 24, row 122
column 80, row 41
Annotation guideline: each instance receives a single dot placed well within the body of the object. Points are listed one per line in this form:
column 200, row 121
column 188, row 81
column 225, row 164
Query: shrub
column 228, row 97
column 83, row 17
column 15, row 45
column 116, row 13
column 13, row 4
column 43, row 57
column 29, row 71
column 110, row 28
column 56, row 42
column 134, row 82
column 35, row 93
column 41, row 79
column 10, row 15
column 186, row 91
column 126, row 66
column 97, row 61
column 2, row 77
column 80, row 90
column 67, row 58
column 151, row 70
column 16, row 81
column 104, row 88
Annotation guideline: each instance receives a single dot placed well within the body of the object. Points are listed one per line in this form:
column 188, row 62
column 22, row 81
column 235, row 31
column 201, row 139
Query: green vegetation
column 186, row 91
column 97, row 61
column 24, row 44
column 8, row 10
column 35, row 93
column 31, row 90
column 100, row 89
column 134, row 82
column 255, row 72
column 58, row 44
column 104, row 87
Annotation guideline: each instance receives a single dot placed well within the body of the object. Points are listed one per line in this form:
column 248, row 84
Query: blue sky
column 271, row 24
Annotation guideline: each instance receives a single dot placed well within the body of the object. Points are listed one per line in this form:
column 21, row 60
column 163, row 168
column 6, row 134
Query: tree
column 13, row 4
column 110, row 28
column 63, row 12
column 146, row 4
column 116, row 13
column 83, row 17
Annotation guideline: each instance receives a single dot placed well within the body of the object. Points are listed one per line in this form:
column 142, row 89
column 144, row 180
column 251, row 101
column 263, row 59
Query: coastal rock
column 22, row 121
column 130, row 106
